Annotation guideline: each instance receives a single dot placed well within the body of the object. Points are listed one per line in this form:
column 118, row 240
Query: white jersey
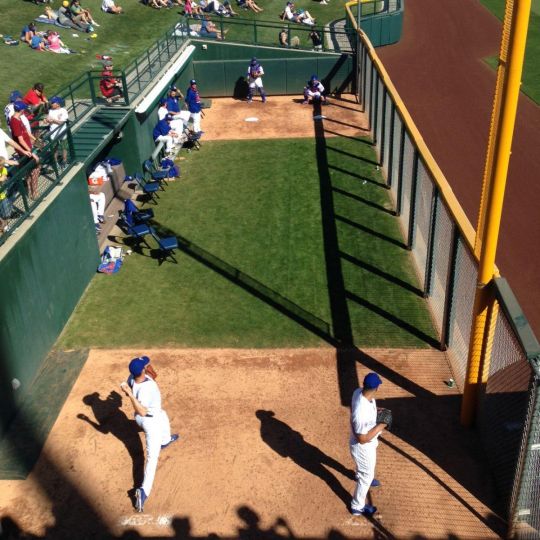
column 9, row 110
column 59, row 115
column 363, row 417
column 4, row 139
column 162, row 112
column 147, row 394
column 106, row 5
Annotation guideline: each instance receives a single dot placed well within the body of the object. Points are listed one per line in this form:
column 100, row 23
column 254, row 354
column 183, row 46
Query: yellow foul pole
column 499, row 150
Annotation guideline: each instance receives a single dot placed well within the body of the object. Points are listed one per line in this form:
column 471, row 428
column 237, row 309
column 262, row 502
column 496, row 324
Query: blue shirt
column 193, row 100
column 162, row 128
column 173, row 104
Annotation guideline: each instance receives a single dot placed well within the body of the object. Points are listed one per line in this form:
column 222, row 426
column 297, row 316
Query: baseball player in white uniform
column 254, row 77
column 145, row 396
column 364, row 441
column 314, row 90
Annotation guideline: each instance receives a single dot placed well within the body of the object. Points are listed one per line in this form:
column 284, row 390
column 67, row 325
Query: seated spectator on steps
column 289, row 13
column 36, row 99
column 38, row 44
column 27, row 33
column 67, row 18
column 109, row 86
column 78, row 11
column 164, row 133
column 108, row 6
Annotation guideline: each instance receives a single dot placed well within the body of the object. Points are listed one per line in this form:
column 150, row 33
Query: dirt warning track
column 264, row 452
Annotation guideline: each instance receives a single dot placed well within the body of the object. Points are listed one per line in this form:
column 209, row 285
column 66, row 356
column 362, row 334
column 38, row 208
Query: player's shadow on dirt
column 289, row 443
column 111, row 419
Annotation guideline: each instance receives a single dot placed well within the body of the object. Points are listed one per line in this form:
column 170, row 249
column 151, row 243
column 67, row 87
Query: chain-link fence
column 441, row 242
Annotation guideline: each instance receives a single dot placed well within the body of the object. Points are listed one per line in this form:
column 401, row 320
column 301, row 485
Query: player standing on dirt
column 364, row 441
column 143, row 391
column 254, row 78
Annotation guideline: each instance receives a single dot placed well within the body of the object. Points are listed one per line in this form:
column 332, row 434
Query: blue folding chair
column 136, row 231
column 139, row 216
column 167, row 245
column 157, row 175
column 149, row 188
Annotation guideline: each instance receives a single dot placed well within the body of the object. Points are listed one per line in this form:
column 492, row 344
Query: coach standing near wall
column 364, row 441
column 193, row 101
column 142, row 390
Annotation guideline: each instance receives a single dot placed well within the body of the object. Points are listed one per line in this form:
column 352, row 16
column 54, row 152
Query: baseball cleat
column 367, row 511
column 174, row 438
column 375, row 483
column 140, row 498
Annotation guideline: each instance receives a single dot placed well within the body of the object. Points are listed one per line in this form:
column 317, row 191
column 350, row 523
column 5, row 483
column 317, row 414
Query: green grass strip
column 266, row 235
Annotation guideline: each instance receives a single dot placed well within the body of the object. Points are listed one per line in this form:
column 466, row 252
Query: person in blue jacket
column 193, row 100
column 164, row 133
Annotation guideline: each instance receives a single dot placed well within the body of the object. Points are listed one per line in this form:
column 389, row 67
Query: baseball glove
column 384, row 416
column 151, row 371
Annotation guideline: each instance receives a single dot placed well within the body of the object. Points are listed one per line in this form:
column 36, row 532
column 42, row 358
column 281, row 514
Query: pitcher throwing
column 143, row 391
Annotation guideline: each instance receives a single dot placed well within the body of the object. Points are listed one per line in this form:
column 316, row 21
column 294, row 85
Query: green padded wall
column 283, row 75
column 42, row 278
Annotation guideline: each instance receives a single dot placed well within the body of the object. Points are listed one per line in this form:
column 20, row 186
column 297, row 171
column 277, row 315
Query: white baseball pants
column 157, row 430
column 196, row 117
column 365, row 458
column 168, row 140
column 97, row 203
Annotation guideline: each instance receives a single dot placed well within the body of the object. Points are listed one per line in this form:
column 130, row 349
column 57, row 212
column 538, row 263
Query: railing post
column 71, row 146
column 125, row 88
column 91, row 85
column 430, row 259
column 413, row 205
column 221, row 29
column 400, row 170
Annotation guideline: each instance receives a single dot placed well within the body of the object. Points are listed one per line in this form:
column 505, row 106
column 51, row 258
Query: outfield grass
column 531, row 68
column 282, row 248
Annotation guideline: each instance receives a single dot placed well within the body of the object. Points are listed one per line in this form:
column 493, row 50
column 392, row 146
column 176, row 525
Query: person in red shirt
column 24, row 138
column 36, row 99
column 109, row 86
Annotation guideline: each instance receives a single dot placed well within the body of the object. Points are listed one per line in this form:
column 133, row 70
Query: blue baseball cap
column 169, row 117
column 192, row 82
column 372, row 380
column 56, row 99
column 20, row 106
column 137, row 365
column 314, row 78
column 15, row 96
column 253, row 61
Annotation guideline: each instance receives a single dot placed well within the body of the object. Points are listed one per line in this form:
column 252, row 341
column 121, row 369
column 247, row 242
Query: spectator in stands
column 6, row 209
column 8, row 109
column 289, row 13
column 66, row 18
column 164, row 133
column 316, row 40
column 6, row 140
column 25, row 139
column 250, row 4
column 109, row 86
column 192, row 9
column 209, row 29
column 55, row 44
column 36, row 99
column 27, row 33
column 78, row 11
column 108, row 6
column 283, row 38
column 57, row 120
column 158, row 4
column 304, row 17
column 228, row 10
column 38, row 44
